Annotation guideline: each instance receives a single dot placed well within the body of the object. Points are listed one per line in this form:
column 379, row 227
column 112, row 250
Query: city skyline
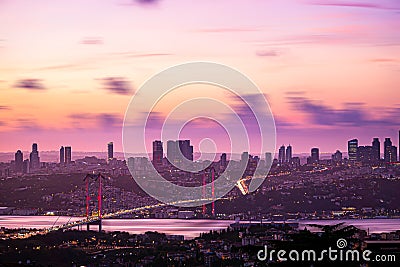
column 283, row 154
column 328, row 70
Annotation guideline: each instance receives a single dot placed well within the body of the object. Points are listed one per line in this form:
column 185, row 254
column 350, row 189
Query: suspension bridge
column 95, row 218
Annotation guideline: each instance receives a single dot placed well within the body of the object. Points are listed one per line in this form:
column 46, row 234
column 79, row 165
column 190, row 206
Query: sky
column 330, row 70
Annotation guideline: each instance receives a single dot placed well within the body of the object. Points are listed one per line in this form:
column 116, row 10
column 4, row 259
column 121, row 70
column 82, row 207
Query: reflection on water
column 187, row 228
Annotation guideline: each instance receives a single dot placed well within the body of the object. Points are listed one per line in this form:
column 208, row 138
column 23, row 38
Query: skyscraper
column 110, row 150
column 186, row 149
column 268, row 159
column 158, row 153
column 244, row 158
column 352, row 147
column 222, row 160
column 68, row 154
column 19, row 161
column 314, row 155
column 376, row 150
column 288, row 153
column 399, row 145
column 337, row 156
column 34, row 158
column 365, row 154
column 387, row 150
column 25, row 168
column 62, row 155
column 172, row 151
column 393, row 154
column 281, row 155
column 179, row 149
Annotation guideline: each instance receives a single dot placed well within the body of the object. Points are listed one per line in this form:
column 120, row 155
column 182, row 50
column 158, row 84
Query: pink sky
column 330, row 69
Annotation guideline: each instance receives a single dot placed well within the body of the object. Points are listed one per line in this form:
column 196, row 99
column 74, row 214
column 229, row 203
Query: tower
column 376, row 150
column 352, row 147
column 68, row 154
column 209, row 208
column 158, row 153
column 387, row 149
column 178, row 150
column 281, row 155
column 268, row 159
column 62, row 155
column 19, row 161
column 34, row 158
column 222, row 160
column 314, row 155
column 110, row 150
column 94, row 199
column 289, row 153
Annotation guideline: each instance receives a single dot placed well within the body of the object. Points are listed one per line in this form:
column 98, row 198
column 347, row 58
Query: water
column 187, row 228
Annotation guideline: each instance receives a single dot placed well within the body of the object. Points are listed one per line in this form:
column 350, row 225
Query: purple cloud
column 355, row 4
column 5, row 108
column 147, row 2
column 352, row 114
column 90, row 120
column 30, row 84
column 118, row 85
column 92, row 41
column 226, row 30
column 267, row 53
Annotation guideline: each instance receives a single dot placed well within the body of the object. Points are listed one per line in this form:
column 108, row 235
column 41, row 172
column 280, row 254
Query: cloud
column 267, row 53
column 106, row 121
column 117, row 85
column 147, row 2
column 355, row 4
column 226, row 30
column 5, row 108
column 141, row 2
column 150, row 55
column 27, row 124
column 30, row 84
column 383, row 60
column 90, row 120
column 92, row 41
column 352, row 114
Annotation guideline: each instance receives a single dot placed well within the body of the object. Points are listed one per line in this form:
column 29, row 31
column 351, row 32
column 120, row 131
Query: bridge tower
column 94, row 198
column 211, row 178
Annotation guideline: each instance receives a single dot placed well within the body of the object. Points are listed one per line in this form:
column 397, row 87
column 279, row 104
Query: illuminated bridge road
column 92, row 219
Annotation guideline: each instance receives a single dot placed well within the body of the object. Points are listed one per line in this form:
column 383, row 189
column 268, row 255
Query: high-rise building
column 186, row 149
column 281, row 155
column 25, row 168
column 158, row 153
column 179, row 149
column 352, row 147
column 289, row 153
column 393, row 154
column 399, row 145
column 244, row 158
column 62, row 155
column 387, row 150
column 68, row 154
column 295, row 162
column 222, row 160
column 337, row 156
column 110, row 150
column 172, row 151
column 19, row 161
column 376, row 150
column 314, row 155
column 365, row 154
column 34, row 158
column 268, row 159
